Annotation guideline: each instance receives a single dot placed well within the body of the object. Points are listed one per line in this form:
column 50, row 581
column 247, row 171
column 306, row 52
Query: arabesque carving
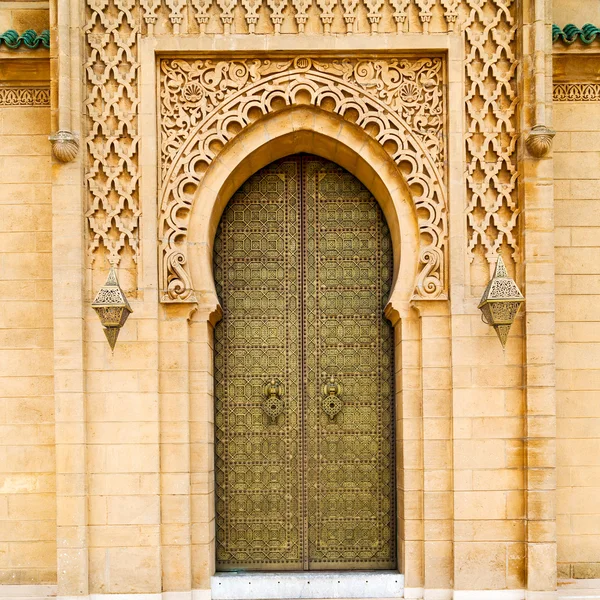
column 204, row 103
column 576, row 92
column 491, row 105
column 24, row 96
column 111, row 108
column 112, row 31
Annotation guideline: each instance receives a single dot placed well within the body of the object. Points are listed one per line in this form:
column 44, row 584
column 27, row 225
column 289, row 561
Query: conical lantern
column 501, row 302
column 112, row 307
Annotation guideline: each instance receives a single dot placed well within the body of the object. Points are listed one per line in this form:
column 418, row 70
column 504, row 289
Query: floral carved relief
column 112, row 33
column 204, row 103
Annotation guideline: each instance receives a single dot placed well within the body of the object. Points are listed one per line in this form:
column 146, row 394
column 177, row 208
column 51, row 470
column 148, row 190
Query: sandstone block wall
column 576, row 12
column 21, row 16
column 577, row 201
column 27, row 460
column 27, row 456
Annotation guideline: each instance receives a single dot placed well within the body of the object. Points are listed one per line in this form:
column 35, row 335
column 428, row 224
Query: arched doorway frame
column 290, row 131
column 315, row 131
column 205, row 104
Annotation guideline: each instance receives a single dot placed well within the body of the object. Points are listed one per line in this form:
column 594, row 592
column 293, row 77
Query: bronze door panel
column 348, row 459
column 257, row 265
column 304, row 374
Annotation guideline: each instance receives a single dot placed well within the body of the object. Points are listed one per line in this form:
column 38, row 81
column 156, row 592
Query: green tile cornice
column 30, row 39
column 570, row 33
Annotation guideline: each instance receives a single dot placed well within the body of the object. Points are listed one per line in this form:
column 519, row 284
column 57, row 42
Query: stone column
column 68, row 275
column 175, row 450
column 538, row 262
column 438, row 503
column 409, row 454
column 202, row 445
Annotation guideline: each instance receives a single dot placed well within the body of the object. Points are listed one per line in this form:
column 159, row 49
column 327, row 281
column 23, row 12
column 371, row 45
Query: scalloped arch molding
column 207, row 103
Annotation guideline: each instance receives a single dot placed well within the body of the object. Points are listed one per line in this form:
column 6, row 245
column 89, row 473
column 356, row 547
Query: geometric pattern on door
column 304, row 419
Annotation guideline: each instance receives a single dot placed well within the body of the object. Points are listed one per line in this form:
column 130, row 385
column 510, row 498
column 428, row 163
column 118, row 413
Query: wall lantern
column 112, row 307
column 500, row 302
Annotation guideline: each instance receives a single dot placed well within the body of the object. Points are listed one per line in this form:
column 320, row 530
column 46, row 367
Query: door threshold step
column 322, row 585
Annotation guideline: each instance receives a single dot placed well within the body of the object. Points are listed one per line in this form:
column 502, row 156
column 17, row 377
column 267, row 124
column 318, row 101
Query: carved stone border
column 24, row 96
column 576, row 92
column 204, row 103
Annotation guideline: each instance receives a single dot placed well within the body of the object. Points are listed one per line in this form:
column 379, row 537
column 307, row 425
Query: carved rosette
column 399, row 101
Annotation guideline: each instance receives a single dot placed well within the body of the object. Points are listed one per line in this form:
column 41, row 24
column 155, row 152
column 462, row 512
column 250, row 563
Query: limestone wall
column 576, row 12
column 134, row 429
column 577, row 197
column 21, row 16
column 27, row 457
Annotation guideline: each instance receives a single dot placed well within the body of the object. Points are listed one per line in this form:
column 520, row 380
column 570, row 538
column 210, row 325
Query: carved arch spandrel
column 206, row 103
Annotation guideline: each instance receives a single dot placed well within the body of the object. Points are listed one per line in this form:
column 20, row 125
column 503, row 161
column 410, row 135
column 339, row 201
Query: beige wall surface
column 21, row 16
column 577, row 196
column 134, row 429
column 27, row 460
column 577, row 12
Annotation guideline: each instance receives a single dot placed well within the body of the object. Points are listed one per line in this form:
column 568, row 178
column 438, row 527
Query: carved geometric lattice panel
column 491, row 137
column 204, row 103
column 112, row 139
column 307, row 488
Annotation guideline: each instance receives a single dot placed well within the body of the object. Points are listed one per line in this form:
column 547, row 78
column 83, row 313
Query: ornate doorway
column 304, row 374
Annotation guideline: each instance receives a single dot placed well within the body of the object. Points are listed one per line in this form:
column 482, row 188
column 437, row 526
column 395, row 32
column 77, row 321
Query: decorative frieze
column 272, row 17
column 576, row 92
column 399, row 101
column 24, row 96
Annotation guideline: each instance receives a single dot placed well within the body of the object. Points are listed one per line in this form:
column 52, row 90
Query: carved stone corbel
column 65, row 145
column 539, row 140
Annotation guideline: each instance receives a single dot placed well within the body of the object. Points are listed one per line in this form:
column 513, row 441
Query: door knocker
column 273, row 402
column 332, row 403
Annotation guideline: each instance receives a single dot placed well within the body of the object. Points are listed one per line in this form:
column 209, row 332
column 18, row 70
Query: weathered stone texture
column 577, row 195
column 106, row 460
column 27, row 458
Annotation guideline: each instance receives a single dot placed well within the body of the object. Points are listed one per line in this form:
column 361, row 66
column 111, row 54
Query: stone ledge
column 27, row 592
column 322, row 585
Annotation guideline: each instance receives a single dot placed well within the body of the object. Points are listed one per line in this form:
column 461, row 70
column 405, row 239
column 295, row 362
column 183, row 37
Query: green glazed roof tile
column 570, row 33
column 30, row 39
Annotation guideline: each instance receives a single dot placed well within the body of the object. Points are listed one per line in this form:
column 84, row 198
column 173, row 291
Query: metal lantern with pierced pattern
column 501, row 302
column 112, row 307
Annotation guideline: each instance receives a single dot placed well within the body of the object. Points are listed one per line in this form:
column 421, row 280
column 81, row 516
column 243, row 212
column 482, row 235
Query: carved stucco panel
column 112, row 137
column 204, row 103
column 491, row 102
column 111, row 106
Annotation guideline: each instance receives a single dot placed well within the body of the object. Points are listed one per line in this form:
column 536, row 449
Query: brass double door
column 304, row 374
